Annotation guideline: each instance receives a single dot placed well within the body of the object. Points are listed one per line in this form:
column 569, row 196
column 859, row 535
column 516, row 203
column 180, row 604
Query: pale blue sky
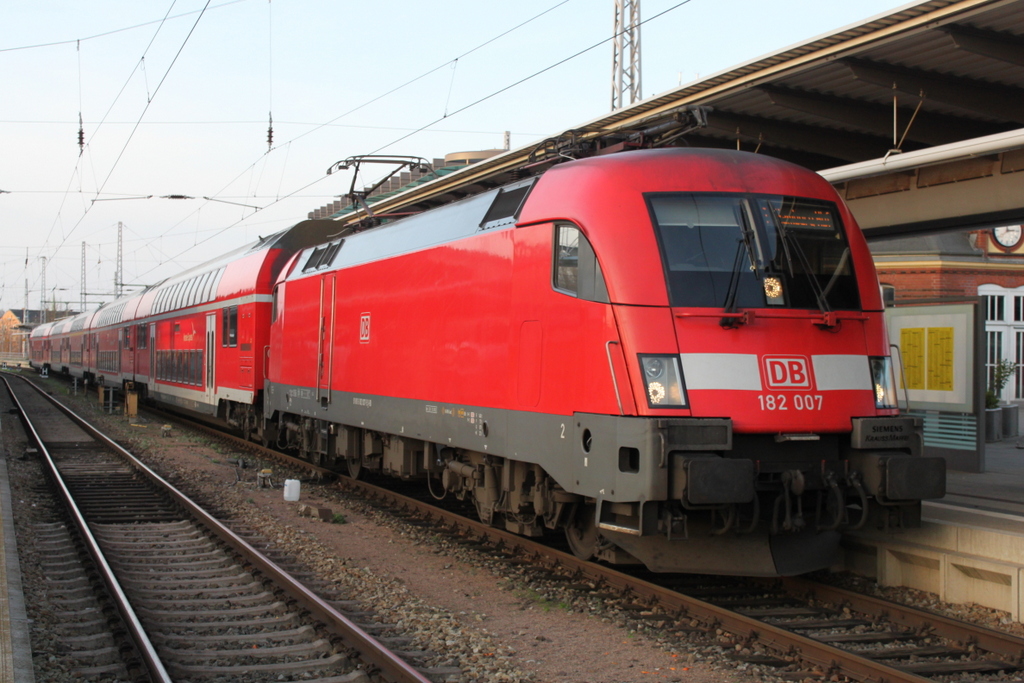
column 201, row 102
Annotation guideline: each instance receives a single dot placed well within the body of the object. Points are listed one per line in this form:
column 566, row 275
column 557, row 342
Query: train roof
column 464, row 218
column 665, row 169
column 203, row 283
column 40, row 331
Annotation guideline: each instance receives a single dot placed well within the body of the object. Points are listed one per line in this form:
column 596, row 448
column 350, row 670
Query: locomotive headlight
column 883, row 382
column 663, row 381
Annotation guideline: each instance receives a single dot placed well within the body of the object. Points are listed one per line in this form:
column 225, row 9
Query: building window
column 994, row 307
column 993, row 353
column 888, row 295
column 1018, row 378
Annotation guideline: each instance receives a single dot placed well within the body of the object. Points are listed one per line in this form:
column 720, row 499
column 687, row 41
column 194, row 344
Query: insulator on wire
column 81, row 135
column 270, row 134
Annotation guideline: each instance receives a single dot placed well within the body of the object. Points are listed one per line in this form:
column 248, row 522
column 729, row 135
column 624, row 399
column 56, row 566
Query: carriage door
column 325, row 353
column 152, row 354
column 211, row 345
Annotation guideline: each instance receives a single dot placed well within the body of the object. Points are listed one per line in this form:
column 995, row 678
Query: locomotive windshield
column 754, row 251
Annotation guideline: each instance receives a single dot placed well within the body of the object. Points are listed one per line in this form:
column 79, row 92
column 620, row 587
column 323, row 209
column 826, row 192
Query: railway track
column 199, row 600
column 804, row 628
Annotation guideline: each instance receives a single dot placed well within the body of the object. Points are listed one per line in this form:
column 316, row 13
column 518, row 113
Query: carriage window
column 229, row 327
column 140, row 337
column 190, row 291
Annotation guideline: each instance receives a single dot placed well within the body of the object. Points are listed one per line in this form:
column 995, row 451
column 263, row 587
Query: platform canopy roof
column 959, row 66
column 954, row 68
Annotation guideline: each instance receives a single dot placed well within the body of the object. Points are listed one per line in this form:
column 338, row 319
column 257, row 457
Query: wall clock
column 1007, row 236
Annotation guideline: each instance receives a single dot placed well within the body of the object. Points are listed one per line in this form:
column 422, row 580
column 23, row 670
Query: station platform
column 970, row 547
column 15, row 646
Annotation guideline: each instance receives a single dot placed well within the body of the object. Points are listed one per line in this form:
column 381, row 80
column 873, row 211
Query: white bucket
column 291, row 489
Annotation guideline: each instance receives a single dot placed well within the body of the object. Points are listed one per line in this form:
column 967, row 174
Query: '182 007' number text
column 796, row 401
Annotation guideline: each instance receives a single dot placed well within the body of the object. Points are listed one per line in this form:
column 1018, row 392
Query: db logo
column 364, row 328
column 787, row 372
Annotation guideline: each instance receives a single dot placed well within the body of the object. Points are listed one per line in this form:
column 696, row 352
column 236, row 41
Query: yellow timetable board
column 928, row 357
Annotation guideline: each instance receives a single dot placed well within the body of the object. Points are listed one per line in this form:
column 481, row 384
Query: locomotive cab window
column 275, row 303
column 576, row 269
column 753, row 251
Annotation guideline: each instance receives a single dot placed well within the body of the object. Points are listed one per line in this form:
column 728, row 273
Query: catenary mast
column 626, row 54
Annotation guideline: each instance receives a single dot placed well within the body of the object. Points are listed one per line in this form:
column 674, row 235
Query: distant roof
column 34, row 316
column 957, row 244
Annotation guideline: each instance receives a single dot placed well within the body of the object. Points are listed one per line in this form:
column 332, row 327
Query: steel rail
column 136, row 631
column 990, row 640
column 827, row 657
column 368, row 648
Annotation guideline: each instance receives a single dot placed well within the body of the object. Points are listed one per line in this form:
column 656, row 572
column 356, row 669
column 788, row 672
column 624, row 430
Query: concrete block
column 993, row 545
column 992, row 584
column 930, row 535
column 913, row 567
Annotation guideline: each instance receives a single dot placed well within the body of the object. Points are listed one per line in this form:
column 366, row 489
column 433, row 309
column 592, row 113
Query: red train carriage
column 676, row 356
column 75, row 341
column 39, row 346
column 197, row 341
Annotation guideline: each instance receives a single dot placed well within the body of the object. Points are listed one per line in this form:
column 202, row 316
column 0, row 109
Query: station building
column 958, row 265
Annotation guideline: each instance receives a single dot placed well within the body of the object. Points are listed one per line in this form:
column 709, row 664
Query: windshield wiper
column 820, row 296
column 748, row 239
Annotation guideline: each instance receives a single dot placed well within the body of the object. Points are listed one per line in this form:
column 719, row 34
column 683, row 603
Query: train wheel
column 581, row 532
column 355, row 467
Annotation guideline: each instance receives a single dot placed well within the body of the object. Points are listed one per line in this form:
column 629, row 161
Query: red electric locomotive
column 676, row 356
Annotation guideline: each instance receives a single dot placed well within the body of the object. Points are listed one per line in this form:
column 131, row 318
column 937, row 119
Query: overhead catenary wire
column 117, row 97
column 353, row 110
column 457, row 111
column 527, row 78
column 270, row 77
column 297, row 192
column 86, row 210
column 314, row 129
column 115, row 31
column 81, row 128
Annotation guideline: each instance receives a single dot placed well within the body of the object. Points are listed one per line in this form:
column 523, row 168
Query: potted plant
column 1000, row 421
